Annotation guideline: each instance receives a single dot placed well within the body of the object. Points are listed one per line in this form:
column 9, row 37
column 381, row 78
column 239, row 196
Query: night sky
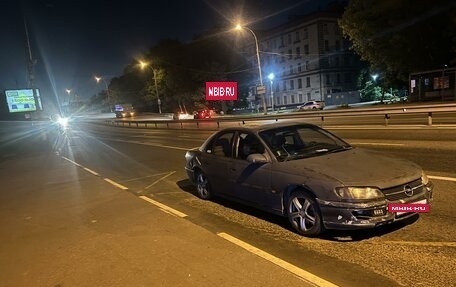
column 73, row 41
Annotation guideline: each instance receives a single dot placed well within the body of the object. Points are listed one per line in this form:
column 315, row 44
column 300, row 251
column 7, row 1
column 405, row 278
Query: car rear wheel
column 202, row 186
column 304, row 214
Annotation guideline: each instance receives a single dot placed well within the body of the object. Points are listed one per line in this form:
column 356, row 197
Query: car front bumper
column 345, row 215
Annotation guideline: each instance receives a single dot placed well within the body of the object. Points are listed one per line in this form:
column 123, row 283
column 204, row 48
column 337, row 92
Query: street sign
column 261, row 90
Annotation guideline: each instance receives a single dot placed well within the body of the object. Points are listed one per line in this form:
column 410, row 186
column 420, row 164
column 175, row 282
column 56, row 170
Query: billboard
column 21, row 100
column 221, row 91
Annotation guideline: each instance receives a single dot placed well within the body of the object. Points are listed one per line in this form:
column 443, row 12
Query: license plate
column 423, row 201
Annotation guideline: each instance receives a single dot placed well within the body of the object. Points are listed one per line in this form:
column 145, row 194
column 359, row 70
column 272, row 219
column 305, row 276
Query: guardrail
column 216, row 123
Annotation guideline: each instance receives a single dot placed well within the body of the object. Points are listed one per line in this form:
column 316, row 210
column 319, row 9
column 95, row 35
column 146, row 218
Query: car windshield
column 298, row 142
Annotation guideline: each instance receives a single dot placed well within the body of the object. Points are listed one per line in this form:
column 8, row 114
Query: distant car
column 124, row 110
column 312, row 105
column 204, row 114
column 182, row 116
column 307, row 174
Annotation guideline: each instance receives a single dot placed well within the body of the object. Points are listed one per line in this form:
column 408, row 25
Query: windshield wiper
column 342, row 148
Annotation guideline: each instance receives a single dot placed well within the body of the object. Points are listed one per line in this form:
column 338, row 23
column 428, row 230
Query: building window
column 328, row 79
column 281, row 41
column 308, row 96
column 337, row 61
column 326, row 45
column 292, row 99
column 284, row 86
column 291, row 84
column 300, row 98
column 290, row 54
column 291, row 69
column 348, row 78
column 283, row 71
column 299, row 83
column 285, row 100
column 307, row 66
column 298, row 52
column 299, row 68
column 337, row 45
column 289, row 39
column 277, row 88
column 325, row 29
column 305, row 33
column 338, row 78
column 297, row 38
column 306, row 49
column 308, row 82
column 282, row 58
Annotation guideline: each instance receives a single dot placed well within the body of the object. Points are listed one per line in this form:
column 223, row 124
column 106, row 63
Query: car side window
column 248, row 144
column 221, row 145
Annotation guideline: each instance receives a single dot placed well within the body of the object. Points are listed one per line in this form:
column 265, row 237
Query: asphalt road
column 74, row 213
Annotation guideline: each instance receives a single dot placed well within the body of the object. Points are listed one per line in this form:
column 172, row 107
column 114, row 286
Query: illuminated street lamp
column 271, row 78
column 239, row 28
column 143, row 65
column 68, row 91
column 374, row 77
column 108, row 96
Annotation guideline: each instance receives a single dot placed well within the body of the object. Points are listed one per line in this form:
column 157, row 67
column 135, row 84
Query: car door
column 251, row 182
column 215, row 161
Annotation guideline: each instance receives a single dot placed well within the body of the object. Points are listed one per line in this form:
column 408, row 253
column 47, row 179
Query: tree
column 399, row 37
column 181, row 70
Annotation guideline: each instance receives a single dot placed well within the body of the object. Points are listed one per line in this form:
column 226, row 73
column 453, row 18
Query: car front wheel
column 202, row 186
column 304, row 214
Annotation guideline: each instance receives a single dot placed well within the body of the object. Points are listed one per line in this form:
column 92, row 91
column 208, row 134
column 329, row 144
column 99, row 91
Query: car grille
column 397, row 192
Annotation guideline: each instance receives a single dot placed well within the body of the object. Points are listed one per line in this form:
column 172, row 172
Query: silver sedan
column 307, row 174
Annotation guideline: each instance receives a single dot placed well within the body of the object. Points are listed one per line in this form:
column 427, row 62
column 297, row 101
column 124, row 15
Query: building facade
column 309, row 58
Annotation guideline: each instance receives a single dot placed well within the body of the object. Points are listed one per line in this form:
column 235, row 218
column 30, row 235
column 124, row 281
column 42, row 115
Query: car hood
column 357, row 167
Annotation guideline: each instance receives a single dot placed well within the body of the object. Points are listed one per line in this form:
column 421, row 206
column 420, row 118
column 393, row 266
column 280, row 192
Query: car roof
column 255, row 127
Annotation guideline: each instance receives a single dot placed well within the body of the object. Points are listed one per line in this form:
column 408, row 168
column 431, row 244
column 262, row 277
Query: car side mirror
column 257, row 158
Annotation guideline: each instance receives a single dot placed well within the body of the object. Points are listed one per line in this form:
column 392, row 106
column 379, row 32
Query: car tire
column 203, row 188
column 304, row 214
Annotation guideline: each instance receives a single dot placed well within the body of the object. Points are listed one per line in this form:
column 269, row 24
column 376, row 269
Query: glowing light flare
column 143, row 64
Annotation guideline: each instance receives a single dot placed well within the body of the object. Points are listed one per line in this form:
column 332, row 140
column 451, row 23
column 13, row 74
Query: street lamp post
column 271, row 78
column 143, row 65
column 239, row 27
column 108, row 96
column 68, row 91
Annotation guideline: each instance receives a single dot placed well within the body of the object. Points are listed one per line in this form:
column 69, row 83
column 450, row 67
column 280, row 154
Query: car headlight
column 424, row 178
column 359, row 193
column 63, row 122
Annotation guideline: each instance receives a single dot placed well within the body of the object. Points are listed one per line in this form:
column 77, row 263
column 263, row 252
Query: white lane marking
column 165, row 208
column 143, row 177
column 384, row 144
column 441, row 178
column 115, row 183
column 307, row 276
column 160, row 179
column 73, row 162
column 91, row 171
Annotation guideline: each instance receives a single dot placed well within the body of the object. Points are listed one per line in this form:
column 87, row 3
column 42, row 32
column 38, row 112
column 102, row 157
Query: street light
column 239, row 28
column 271, row 78
column 374, row 77
column 108, row 96
column 143, row 65
column 68, row 91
